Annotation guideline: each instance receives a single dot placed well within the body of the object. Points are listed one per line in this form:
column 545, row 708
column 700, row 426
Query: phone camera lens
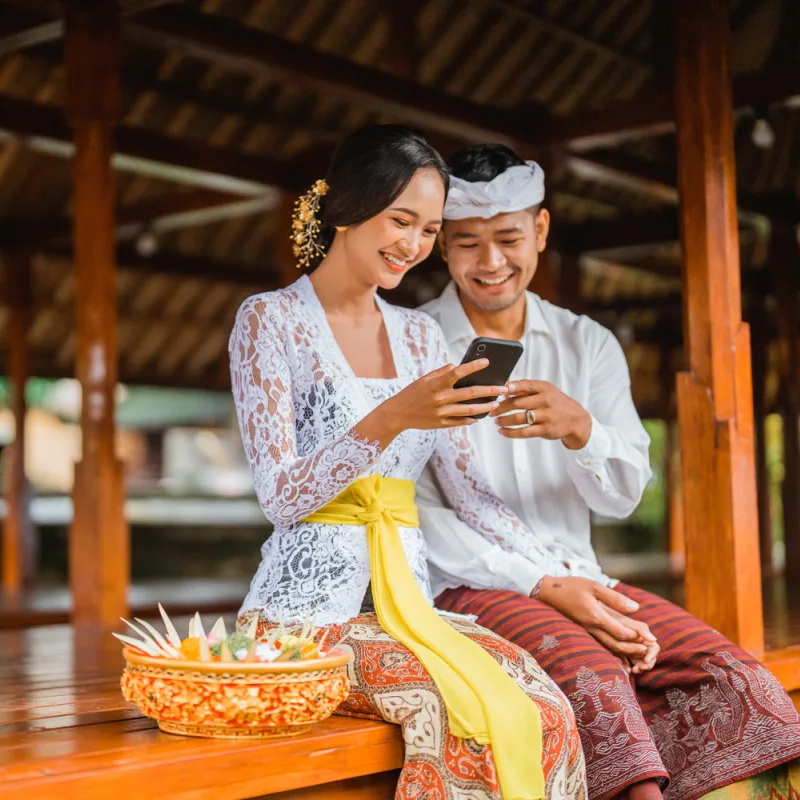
column 481, row 348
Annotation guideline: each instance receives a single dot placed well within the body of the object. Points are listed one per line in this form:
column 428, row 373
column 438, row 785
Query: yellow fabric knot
column 483, row 703
column 372, row 513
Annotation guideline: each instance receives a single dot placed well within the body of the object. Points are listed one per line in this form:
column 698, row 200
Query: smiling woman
column 342, row 399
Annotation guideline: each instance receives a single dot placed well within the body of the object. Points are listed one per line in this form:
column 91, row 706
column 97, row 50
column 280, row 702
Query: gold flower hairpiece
column 306, row 225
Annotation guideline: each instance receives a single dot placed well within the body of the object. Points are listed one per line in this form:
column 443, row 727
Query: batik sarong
column 387, row 682
column 708, row 715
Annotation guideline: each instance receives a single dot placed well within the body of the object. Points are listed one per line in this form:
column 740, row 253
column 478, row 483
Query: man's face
column 493, row 260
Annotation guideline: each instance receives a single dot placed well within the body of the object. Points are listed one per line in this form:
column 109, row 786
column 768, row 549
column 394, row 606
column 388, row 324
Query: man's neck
column 506, row 324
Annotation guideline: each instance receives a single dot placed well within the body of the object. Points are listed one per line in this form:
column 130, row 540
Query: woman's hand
column 430, row 403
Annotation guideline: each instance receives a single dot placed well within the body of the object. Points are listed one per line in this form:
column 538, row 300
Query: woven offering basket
column 235, row 699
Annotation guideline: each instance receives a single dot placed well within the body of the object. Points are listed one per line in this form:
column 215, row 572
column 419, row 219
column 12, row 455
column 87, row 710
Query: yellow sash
column 483, row 702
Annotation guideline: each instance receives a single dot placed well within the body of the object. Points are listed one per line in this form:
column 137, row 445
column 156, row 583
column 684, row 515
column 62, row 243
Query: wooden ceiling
column 231, row 106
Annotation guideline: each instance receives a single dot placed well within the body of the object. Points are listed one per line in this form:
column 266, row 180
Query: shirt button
column 587, row 461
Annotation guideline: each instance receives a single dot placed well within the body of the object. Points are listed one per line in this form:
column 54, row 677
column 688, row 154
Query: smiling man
column 662, row 701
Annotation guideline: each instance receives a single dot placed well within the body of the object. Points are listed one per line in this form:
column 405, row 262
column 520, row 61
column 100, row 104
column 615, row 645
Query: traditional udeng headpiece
column 306, row 225
column 516, row 189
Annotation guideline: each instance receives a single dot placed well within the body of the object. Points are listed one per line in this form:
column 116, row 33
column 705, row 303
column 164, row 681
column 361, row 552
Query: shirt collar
column 458, row 326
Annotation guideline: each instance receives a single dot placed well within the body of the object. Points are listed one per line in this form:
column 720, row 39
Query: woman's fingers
column 455, row 374
column 459, row 410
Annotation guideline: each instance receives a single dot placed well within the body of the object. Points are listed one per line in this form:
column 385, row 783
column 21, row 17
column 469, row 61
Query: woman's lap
column 389, row 683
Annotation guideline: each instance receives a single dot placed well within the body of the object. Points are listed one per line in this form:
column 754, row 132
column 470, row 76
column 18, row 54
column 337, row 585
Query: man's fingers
column 616, row 600
column 528, row 387
column 522, row 403
column 616, row 628
column 630, row 649
column 519, row 418
column 636, row 624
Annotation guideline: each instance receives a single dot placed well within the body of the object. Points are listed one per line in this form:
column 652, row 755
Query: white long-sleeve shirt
column 550, row 488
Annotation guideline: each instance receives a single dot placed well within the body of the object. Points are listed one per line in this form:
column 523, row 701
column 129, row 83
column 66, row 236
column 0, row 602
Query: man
column 699, row 714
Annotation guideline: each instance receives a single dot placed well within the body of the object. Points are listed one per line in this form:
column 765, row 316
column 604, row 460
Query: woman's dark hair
column 482, row 162
column 370, row 169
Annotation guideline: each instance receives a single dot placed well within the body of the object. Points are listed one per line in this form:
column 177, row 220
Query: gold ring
column 530, row 416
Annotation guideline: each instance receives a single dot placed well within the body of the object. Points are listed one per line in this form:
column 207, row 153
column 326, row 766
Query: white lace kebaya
column 297, row 401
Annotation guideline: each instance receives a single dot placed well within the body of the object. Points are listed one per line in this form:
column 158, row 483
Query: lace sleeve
column 288, row 487
column 461, row 479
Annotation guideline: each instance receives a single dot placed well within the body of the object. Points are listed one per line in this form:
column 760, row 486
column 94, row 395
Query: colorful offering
column 234, row 684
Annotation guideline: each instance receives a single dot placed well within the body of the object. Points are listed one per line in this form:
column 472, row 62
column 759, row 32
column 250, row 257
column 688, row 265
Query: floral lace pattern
column 297, row 402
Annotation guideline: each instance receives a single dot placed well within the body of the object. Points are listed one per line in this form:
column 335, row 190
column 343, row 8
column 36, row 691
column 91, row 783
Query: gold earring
column 341, row 228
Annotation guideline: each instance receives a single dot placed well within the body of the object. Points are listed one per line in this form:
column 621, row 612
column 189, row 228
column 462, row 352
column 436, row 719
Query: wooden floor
column 65, row 730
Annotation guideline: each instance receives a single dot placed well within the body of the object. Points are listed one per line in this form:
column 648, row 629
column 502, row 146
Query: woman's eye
column 431, row 231
column 401, row 223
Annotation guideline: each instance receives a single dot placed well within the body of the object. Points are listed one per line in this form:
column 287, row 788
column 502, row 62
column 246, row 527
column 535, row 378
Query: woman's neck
column 338, row 290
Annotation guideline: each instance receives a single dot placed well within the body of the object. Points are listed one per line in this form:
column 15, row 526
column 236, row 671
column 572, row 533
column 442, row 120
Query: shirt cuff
column 512, row 572
column 594, row 453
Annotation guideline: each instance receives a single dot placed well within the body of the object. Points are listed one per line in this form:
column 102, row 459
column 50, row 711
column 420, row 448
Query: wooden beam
column 715, row 396
column 164, row 212
column 32, row 36
column 99, row 560
column 145, row 152
column 238, row 48
column 18, row 542
column 171, row 263
column 654, row 115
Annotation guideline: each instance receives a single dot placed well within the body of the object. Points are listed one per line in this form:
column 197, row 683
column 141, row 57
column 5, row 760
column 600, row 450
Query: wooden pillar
column 99, row 559
column 19, row 543
column 715, row 396
column 760, row 364
column 783, row 265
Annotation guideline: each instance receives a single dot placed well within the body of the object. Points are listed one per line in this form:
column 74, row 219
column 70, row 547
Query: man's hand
column 634, row 664
column 601, row 611
column 557, row 415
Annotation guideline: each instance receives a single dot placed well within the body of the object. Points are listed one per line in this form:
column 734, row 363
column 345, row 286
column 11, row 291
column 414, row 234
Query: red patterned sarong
column 707, row 715
column 387, row 682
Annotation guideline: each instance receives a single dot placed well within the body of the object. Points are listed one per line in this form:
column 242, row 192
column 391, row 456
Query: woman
column 334, row 388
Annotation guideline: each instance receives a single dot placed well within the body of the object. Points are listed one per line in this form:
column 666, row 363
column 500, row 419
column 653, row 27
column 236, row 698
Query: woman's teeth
column 492, row 281
column 393, row 259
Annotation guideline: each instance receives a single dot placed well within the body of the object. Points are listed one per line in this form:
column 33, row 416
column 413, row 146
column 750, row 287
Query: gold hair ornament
column 306, row 225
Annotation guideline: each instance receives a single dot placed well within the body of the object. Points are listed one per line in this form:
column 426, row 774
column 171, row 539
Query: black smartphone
column 503, row 355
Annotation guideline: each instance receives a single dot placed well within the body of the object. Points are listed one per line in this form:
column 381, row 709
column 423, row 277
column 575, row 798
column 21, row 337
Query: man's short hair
column 483, row 162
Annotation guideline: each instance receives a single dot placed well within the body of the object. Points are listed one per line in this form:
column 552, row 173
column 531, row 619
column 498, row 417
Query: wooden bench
column 66, row 730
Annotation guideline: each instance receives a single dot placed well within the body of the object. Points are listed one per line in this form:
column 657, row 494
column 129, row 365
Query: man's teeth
column 393, row 260
column 492, row 281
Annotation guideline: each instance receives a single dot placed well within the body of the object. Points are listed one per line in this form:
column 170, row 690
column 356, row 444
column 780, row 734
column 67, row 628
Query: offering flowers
column 282, row 644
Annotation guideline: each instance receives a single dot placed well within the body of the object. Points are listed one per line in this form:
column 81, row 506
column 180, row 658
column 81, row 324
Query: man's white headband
column 515, row 189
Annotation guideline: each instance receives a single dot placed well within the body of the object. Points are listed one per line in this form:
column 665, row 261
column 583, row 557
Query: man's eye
column 467, row 246
column 511, row 241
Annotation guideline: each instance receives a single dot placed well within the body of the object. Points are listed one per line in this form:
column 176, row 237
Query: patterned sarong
column 708, row 715
column 389, row 683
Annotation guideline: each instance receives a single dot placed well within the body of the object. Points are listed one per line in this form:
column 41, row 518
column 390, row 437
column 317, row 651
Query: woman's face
column 385, row 247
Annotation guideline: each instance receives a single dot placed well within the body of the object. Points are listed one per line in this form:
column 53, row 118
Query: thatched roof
column 230, row 106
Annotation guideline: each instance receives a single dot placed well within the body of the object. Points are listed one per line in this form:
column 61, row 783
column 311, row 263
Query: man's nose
column 492, row 257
